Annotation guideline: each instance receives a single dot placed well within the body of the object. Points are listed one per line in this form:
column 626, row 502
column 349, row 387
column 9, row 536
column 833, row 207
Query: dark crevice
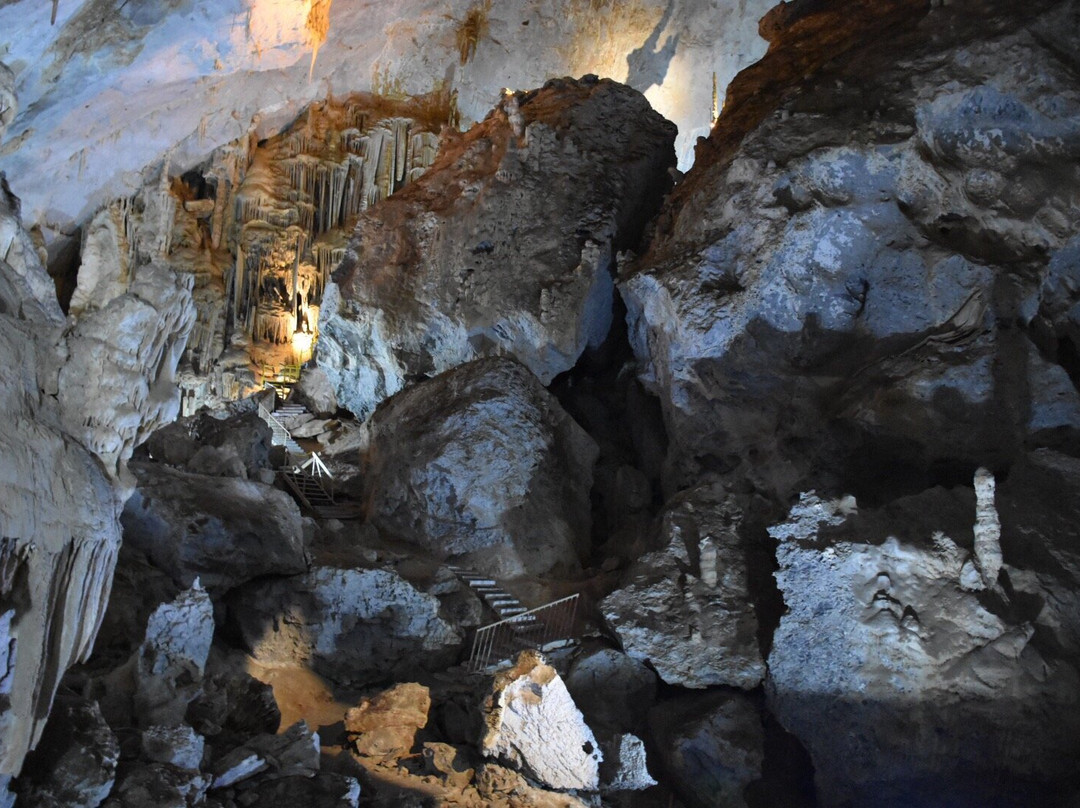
column 602, row 393
column 65, row 257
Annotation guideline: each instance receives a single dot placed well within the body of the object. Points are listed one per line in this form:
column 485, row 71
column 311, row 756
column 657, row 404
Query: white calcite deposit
column 532, row 721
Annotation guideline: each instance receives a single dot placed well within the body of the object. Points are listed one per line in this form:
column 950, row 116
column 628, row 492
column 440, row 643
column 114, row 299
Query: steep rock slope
column 874, row 263
column 505, row 245
column 76, row 396
column 867, row 284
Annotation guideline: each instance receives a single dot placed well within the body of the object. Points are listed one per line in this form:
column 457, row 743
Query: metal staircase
column 304, row 473
column 518, row 627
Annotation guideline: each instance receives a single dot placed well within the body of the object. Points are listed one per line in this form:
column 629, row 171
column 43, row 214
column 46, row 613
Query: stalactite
column 282, row 208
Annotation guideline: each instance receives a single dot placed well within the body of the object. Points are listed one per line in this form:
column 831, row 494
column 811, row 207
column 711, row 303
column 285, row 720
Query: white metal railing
column 315, row 466
column 280, row 433
column 538, row 628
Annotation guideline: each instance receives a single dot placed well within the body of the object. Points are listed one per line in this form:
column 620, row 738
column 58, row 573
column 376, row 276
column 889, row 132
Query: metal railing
column 315, row 467
column 281, row 435
column 278, row 374
column 539, row 628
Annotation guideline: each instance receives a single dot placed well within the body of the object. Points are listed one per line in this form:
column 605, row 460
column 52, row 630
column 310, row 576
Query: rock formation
column 712, row 747
column 77, row 397
column 782, row 312
column 93, row 91
column 429, row 288
column 686, row 608
column 223, row 530
column 482, row 465
column 353, row 625
column 953, row 686
column 528, row 706
column 831, row 557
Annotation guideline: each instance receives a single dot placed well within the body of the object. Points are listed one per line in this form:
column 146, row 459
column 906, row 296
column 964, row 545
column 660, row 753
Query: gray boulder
column 351, row 625
column 481, row 464
column 712, row 747
column 158, row 785
column 292, row 753
column 179, row 746
column 74, row 765
column 170, row 663
column 837, row 282
column 612, row 689
column 223, row 530
column 904, row 672
column 237, row 445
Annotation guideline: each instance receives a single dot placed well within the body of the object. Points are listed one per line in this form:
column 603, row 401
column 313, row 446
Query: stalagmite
column 987, row 529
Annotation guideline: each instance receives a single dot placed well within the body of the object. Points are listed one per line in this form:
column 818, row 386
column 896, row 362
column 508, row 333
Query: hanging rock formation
column 505, row 246
column 77, row 396
column 262, row 223
column 99, row 88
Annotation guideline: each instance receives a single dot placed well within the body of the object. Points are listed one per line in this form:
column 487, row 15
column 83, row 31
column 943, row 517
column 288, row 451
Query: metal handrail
column 317, row 466
column 502, row 639
column 272, row 420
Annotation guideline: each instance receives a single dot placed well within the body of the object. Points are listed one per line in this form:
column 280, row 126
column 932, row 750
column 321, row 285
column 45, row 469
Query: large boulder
column 482, row 465
column 385, row 725
column 504, row 247
column 169, row 664
column 352, row 625
column 686, row 608
column 235, row 445
column 841, row 279
column 224, row 530
column 905, row 669
column 612, row 688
